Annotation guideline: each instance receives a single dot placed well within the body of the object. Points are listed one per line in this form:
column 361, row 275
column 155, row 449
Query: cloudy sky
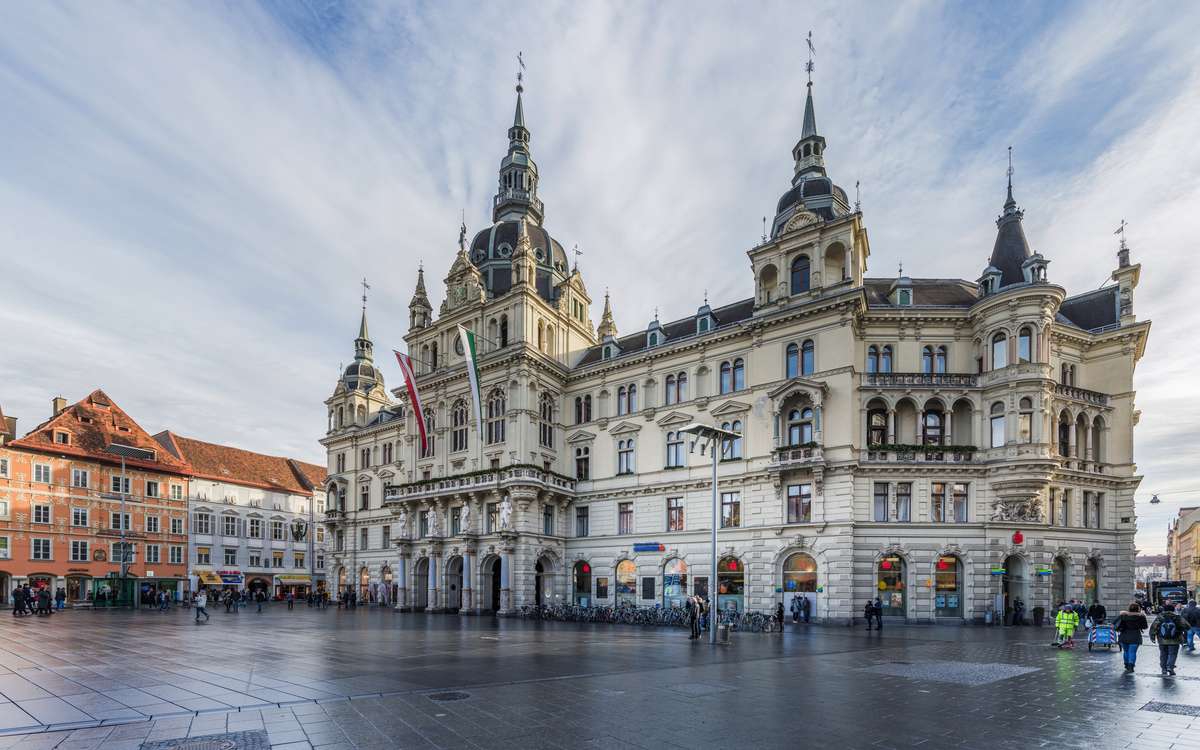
column 190, row 193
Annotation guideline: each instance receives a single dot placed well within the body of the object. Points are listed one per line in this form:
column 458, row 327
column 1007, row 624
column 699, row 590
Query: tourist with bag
column 1168, row 631
column 1129, row 626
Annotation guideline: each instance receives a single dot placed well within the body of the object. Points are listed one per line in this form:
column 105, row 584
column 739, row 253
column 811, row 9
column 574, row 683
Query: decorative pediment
column 333, row 481
column 363, row 478
column 387, row 476
column 581, row 436
column 815, row 390
column 675, row 417
column 730, row 407
column 625, row 428
column 463, row 285
column 802, row 218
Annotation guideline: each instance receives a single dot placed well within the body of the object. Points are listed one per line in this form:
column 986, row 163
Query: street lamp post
column 125, row 451
column 715, row 437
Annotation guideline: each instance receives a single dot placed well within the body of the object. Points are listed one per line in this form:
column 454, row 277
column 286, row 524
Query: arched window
column 1071, row 374
column 608, row 352
column 799, row 575
column 999, row 351
column 800, row 268
column 948, row 589
column 583, row 466
column 1066, row 374
column 546, row 412
column 654, row 339
column 1064, row 435
column 1025, row 346
column 1058, row 582
column 997, row 425
column 1025, row 422
column 726, row 378
column 626, row 584
column 674, row 449
column 625, row 457
column 877, row 427
column 872, row 358
column 622, row 401
column 730, row 584
column 342, row 415
column 793, row 361
column 808, row 358
column 800, row 426
column 495, row 416
column 808, row 149
column 885, row 359
column 675, row 583
column 939, row 363
column 933, row 428
column 681, row 384
column 458, row 434
column 578, row 410
column 732, row 447
column 632, row 398
column 739, row 375
column 433, row 356
column 891, row 587
column 927, row 360
column 430, row 449
column 587, row 408
column 583, row 583
column 672, row 394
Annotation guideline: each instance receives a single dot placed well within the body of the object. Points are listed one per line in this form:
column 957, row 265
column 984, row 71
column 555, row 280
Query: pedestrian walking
column 166, row 601
column 18, row 600
column 1167, row 630
column 1065, row 623
column 43, row 601
column 291, row 599
column 1018, row 606
column 60, row 596
column 201, row 603
column 779, row 615
column 1129, row 626
column 1191, row 613
column 260, row 598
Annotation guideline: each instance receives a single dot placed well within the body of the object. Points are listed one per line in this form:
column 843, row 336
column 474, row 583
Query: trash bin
column 987, row 617
column 723, row 633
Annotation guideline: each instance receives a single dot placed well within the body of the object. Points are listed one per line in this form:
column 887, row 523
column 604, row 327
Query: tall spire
column 362, row 344
column 420, row 312
column 517, row 194
column 809, row 150
column 1011, row 249
column 607, row 327
column 810, row 118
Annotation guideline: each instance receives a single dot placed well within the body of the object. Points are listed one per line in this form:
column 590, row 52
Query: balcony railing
column 1091, row 467
column 795, row 457
column 497, row 478
column 515, row 194
column 933, row 455
column 1082, row 394
column 919, row 379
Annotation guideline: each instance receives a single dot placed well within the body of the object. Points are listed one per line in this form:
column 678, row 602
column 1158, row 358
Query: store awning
column 233, row 578
column 290, row 580
column 207, row 577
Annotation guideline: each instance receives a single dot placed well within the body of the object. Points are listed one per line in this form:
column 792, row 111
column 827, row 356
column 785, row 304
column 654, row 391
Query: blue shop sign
column 648, row 547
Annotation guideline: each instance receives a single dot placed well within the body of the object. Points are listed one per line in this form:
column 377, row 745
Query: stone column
column 1072, row 451
column 1087, row 442
column 402, row 583
column 433, row 604
column 947, row 420
column 506, row 602
column 468, row 592
column 920, row 424
column 817, row 424
column 891, row 426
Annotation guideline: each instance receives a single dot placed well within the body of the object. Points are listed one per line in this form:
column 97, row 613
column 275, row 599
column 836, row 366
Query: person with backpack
column 1066, row 621
column 1167, row 630
column 1129, row 626
column 1191, row 613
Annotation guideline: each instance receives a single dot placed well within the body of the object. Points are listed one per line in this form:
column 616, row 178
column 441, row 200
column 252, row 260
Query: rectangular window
column 493, row 517
column 41, row 514
column 79, row 478
column 320, row 562
column 41, row 474
column 299, row 560
column 581, row 522
column 320, row 533
column 880, row 505
column 153, row 554
column 4, row 467
column 960, row 503
column 675, row 449
column 625, row 457
column 364, row 539
column 229, row 525
column 625, row 518
column 456, row 521
column 115, row 522
column 998, row 432
column 731, row 509
column 176, row 525
column 255, row 560
column 548, row 520
column 176, row 555
column 799, row 507
column 937, row 508
column 340, row 541
column 203, row 523
column 116, row 485
column 151, row 489
column 256, row 528
column 1099, row 508
column 151, row 524
column 177, row 492
column 387, row 537
column 423, row 524
column 41, row 549
column 203, row 556
column 675, row 514
column 1064, row 517
column 79, row 551
column 230, row 556
column 79, row 516
column 277, row 530
column 1024, row 433
column 276, row 559
column 904, row 501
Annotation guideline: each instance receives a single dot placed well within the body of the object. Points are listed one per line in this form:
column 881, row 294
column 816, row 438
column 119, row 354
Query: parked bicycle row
column 754, row 622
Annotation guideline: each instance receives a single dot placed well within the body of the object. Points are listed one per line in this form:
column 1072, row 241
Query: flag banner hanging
column 473, row 373
column 410, row 380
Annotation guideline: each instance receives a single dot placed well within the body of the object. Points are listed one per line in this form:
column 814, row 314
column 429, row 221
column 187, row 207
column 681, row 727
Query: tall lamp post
column 711, row 436
column 125, row 451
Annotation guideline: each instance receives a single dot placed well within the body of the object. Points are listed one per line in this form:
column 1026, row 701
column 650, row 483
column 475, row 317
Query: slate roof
column 926, row 292
column 673, row 331
column 1093, row 310
column 225, row 464
column 386, row 415
column 92, row 425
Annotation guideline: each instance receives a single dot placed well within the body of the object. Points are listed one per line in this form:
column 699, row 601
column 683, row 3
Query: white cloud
column 189, row 194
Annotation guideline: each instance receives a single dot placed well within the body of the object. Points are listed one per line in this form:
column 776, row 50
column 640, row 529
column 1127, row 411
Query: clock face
column 458, row 345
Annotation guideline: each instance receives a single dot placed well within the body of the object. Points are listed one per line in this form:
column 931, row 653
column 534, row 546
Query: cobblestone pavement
column 372, row 678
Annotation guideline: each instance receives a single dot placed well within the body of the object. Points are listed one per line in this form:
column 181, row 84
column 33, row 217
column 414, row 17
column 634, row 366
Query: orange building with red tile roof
column 60, row 510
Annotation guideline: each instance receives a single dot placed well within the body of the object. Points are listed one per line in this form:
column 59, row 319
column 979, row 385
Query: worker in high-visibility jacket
column 1066, row 621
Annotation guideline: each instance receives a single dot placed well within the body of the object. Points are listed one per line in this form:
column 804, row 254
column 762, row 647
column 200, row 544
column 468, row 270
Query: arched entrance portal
column 1016, row 583
column 948, row 593
column 544, row 582
column 890, row 586
column 1091, row 583
column 583, row 583
column 420, row 592
column 494, row 605
column 388, row 591
column 454, row 584
column 342, row 588
column 675, row 583
column 731, row 584
column 1058, row 585
column 800, row 581
column 626, row 584
column 364, row 586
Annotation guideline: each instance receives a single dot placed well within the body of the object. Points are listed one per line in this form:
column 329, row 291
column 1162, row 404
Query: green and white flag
column 472, row 356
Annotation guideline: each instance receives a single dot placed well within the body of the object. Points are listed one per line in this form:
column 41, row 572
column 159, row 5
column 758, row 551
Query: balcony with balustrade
column 919, row 454
column 1081, row 394
column 495, row 479
column 919, row 380
column 796, row 457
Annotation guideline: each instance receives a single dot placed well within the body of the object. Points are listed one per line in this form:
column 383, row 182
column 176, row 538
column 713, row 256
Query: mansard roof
column 926, row 292
column 673, row 331
column 1092, row 310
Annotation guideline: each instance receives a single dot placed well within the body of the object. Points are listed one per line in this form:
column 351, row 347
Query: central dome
column 492, row 249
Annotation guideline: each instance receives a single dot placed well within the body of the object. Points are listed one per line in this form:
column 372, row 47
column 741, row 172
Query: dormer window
column 62, row 438
column 905, row 297
column 608, row 352
column 653, row 339
column 703, row 326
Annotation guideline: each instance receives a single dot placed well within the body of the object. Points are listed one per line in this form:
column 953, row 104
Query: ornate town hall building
column 934, row 442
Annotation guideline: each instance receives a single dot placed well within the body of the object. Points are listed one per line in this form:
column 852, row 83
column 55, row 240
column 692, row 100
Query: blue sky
column 189, row 193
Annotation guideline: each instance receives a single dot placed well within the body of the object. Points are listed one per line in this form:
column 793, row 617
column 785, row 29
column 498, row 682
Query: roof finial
column 764, row 237
column 462, row 237
column 902, row 269
column 520, row 73
column 365, row 287
column 656, row 312
column 706, row 298
column 809, row 65
column 577, row 252
column 1121, row 231
column 857, row 198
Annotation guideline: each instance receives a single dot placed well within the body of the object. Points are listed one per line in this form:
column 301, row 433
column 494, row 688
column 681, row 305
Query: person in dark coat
column 869, row 612
column 779, row 615
column 60, row 596
column 43, row 601
column 1129, row 626
column 1168, row 642
column 805, row 606
column 18, row 599
column 1191, row 613
column 878, row 613
column 1097, row 612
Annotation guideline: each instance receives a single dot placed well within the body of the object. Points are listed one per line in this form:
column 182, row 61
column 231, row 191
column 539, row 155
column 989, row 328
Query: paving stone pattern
column 364, row 679
column 253, row 740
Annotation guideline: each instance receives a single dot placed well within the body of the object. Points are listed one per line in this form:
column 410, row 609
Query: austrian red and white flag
column 410, row 380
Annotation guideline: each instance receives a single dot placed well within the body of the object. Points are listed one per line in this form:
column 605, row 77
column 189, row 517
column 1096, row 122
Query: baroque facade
column 943, row 444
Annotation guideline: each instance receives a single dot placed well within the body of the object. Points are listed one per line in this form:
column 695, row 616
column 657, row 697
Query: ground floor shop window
column 675, row 583
column 1091, row 584
column 948, row 589
column 799, row 574
column 626, row 583
column 730, row 584
column 583, row 583
column 890, row 586
column 1058, row 583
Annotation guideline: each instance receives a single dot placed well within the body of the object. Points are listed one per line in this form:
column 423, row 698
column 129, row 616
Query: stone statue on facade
column 1023, row 511
column 506, row 515
column 468, row 526
column 403, row 522
column 433, row 521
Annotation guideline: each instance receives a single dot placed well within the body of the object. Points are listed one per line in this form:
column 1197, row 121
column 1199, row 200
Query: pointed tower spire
column 362, row 344
column 1011, row 249
column 420, row 312
column 809, row 150
column 607, row 327
column 517, row 194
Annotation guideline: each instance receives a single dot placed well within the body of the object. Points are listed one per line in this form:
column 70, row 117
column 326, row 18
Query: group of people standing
column 873, row 610
column 30, row 601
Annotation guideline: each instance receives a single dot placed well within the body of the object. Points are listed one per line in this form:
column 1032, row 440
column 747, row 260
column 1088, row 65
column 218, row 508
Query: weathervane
column 1010, row 168
column 902, row 269
column 520, row 73
column 1121, row 231
column 764, row 231
column 365, row 287
column 577, row 252
column 809, row 65
column 857, row 198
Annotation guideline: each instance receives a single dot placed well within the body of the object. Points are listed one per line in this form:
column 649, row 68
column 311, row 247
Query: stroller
column 1102, row 634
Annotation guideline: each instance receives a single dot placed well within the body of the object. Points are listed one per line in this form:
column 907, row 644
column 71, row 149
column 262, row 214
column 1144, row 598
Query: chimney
column 60, row 404
column 8, row 429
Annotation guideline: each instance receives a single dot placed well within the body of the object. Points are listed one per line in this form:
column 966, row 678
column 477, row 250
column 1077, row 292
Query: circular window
column 505, row 251
column 479, row 256
column 458, row 345
column 539, row 255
